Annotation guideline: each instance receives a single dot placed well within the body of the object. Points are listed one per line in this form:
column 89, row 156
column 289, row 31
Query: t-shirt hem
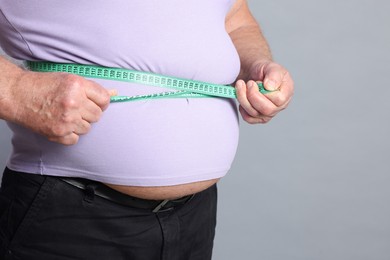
column 195, row 176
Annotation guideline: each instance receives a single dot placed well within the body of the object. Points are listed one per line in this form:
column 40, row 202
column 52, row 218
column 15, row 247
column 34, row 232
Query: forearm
column 9, row 75
column 252, row 48
column 247, row 37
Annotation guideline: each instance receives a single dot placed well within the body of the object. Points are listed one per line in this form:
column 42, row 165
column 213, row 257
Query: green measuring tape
column 185, row 88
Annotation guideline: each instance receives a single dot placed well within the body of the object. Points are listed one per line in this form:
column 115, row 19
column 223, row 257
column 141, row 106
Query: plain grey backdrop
column 315, row 182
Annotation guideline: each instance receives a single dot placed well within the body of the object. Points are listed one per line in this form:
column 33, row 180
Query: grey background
column 313, row 183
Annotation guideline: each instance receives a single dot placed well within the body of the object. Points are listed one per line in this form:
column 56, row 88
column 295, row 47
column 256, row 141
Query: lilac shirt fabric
column 143, row 143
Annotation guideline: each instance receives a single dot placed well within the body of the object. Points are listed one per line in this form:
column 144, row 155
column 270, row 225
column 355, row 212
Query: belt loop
column 90, row 192
column 159, row 206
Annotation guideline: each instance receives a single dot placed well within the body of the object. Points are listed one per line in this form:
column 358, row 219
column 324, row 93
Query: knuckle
column 68, row 102
column 97, row 116
column 72, row 86
column 86, row 128
column 281, row 100
column 66, row 119
column 58, row 131
column 72, row 80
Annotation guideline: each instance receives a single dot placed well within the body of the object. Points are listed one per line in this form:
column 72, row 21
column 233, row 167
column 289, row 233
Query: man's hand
column 59, row 106
column 256, row 107
column 256, row 65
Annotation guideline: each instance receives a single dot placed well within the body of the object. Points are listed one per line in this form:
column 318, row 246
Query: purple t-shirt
column 144, row 143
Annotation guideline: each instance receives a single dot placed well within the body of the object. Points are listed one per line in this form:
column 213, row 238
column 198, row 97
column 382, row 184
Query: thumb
column 272, row 83
column 273, row 78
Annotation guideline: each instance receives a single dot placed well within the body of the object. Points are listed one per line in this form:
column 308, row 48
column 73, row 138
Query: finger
column 273, row 77
column 90, row 112
column 82, row 127
column 241, row 92
column 260, row 102
column 70, row 139
column 97, row 94
column 254, row 120
column 285, row 92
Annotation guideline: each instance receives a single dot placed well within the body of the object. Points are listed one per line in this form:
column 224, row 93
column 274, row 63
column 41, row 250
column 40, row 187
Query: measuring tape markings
column 187, row 88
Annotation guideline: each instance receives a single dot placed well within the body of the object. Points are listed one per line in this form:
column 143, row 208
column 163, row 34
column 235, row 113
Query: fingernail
column 252, row 84
column 240, row 84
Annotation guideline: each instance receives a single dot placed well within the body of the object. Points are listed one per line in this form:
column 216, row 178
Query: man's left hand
column 260, row 108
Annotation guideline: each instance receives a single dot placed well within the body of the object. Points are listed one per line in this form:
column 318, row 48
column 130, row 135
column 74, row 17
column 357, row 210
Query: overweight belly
column 154, row 149
column 183, row 146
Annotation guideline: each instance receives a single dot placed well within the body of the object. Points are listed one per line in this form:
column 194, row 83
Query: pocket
column 24, row 202
column 15, row 200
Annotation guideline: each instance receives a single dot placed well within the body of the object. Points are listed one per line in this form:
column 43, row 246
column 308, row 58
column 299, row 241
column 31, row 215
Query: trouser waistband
column 106, row 192
column 94, row 188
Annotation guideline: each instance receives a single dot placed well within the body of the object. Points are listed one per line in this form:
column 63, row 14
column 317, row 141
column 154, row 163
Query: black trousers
column 43, row 217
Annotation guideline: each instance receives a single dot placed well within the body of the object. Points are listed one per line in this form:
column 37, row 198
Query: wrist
column 11, row 76
column 256, row 71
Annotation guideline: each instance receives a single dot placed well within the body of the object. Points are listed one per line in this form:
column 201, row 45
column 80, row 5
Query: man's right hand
column 59, row 106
